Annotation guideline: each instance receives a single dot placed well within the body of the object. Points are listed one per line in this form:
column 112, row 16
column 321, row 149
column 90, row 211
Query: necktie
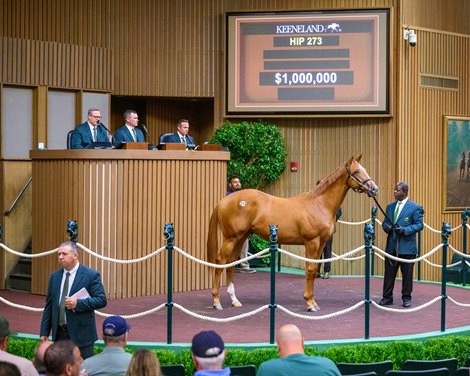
column 183, row 139
column 395, row 214
column 65, row 291
column 95, row 134
column 134, row 134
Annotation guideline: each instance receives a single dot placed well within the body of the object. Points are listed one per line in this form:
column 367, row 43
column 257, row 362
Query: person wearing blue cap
column 113, row 360
column 208, row 353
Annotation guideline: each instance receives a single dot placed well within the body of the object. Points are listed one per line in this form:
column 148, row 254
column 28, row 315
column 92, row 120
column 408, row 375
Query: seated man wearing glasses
column 90, row 131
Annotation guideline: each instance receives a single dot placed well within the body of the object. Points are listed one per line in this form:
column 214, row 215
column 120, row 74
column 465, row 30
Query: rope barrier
column 324, row 317
column 28, row 255
column 405, row 260
column 408, row 310
column 118, row 261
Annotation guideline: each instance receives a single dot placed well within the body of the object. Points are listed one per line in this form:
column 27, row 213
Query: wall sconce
column 410, row 36
column 294, row 167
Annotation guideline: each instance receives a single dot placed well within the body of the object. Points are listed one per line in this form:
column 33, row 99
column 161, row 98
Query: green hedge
column 396, row 351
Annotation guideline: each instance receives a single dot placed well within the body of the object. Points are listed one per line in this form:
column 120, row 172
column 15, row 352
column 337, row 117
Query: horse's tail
column 212, row 238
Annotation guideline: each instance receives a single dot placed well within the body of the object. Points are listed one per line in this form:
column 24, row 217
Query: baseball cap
column 4, row 327
column 115, row 326
column 207, row 344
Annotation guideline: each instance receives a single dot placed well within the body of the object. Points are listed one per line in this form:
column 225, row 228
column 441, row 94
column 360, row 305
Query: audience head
column 144, row 363
column 9, row 369
column 4, row 333
column 38, row 360
column 208, row 351
column 289, row 340
column 63, row 358
column 234, row 183
column 183, row 126
column 115, row 329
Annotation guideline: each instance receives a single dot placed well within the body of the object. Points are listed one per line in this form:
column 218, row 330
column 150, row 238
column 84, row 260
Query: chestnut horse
column 306, row 219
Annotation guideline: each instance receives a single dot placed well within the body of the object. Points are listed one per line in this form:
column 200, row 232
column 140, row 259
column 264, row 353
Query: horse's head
column 358, row 178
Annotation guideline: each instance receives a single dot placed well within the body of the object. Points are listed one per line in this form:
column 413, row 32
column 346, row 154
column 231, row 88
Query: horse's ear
column 350, row 160
column 359, row 158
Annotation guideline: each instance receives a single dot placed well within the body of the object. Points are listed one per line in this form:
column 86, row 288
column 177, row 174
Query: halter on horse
column 306, row 219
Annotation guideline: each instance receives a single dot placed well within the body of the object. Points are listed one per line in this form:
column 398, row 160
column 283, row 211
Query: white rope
column 227, row 319
column 406, row 260
column 324, row 317
column 324, row 260
column 468, row 226
column 349, row 258
column 354, row 223
column 220, row 266
column 134, row 316
column 28, row 255
column 19, row 306
column 118, row 261
column 459, row 304
column 460, row 253
column 408, row 310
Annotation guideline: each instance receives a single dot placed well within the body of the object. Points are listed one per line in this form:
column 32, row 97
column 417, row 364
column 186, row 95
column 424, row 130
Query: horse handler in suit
column 129, row 131
column 69, row 316
column 407, row 218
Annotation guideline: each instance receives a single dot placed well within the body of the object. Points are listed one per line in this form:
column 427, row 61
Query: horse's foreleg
column 310, row 271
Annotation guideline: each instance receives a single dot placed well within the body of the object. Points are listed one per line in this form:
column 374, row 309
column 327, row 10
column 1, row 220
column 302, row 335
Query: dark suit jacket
column 80, row 322
column 82, row 138
column 411, row 220
column 123, row 135
column 175, row 139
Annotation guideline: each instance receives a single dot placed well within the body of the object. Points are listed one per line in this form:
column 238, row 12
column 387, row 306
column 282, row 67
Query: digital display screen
column 308, row 62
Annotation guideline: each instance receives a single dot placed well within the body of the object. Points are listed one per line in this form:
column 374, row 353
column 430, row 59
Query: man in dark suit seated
column 129, row 131
column 70, row 316
column 181, row 136
column 90, row 131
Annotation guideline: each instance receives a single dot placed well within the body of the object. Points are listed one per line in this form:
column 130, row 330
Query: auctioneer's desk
column 121, row 200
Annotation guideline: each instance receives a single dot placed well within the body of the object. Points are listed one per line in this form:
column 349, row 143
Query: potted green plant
column 258, row 157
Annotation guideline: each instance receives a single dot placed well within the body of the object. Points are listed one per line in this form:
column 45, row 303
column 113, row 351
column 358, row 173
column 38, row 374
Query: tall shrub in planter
column 257, row 156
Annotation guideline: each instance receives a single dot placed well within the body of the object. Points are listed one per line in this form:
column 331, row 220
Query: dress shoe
column 384, row 302
column 407, row 303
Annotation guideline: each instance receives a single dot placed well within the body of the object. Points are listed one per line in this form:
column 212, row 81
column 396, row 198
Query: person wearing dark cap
column 208, row 353
column 26, row 366
column 113, row 360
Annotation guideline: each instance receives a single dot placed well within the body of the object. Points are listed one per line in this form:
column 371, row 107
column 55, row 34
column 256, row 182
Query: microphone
column 104, row 126
column 148, row 134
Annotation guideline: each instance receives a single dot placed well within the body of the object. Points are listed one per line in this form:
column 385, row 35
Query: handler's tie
column 65, row 291
column 397, row 210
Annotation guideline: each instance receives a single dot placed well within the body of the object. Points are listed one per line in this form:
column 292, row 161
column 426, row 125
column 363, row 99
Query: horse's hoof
column 236, row 303
column 218, row 307
column 315, row 308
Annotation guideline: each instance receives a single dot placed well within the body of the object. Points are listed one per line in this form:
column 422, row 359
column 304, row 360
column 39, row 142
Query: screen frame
column 381, row 82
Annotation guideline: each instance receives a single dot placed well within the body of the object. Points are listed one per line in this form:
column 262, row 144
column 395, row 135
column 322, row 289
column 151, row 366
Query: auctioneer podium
column 121, row 200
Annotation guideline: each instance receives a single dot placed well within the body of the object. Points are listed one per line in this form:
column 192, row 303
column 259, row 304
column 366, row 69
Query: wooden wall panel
column 121, row 201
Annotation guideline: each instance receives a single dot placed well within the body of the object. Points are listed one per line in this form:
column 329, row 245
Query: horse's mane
column 326, row 182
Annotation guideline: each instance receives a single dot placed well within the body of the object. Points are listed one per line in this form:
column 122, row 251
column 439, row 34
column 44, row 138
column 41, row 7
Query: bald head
column 39, row 355
column 289, row 340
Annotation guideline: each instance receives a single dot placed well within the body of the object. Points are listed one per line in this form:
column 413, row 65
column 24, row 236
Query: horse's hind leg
column 222, row 258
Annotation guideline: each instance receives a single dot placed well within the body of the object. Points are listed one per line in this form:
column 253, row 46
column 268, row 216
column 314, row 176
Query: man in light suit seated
column 181, row 136
column 90, row 131
column 129, row 131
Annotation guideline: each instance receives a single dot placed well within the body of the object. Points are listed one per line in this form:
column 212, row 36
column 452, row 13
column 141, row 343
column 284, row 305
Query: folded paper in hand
column 81, row 294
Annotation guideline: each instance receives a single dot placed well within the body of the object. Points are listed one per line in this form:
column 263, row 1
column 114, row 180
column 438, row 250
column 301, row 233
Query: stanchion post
column 369, row 237
column 419, row 254
column 372, row 260
column 445, row 233
column 169, row 236
column 465, row 215
column 272, row 305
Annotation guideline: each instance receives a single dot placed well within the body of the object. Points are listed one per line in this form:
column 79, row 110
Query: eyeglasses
column 96, row 117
